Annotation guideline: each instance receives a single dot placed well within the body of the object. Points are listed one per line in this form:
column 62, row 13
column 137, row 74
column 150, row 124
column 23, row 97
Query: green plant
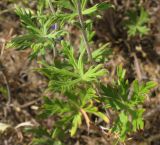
column 137, row 22
column 126, row 100
column 76, row 73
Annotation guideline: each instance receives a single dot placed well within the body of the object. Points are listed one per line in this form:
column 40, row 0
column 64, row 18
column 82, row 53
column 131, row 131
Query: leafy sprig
column 126, row 100
column 75, row 74
column 75, row 79
column 137, row 23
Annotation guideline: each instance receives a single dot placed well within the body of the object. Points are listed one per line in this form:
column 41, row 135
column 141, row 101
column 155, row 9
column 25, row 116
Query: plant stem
column 83, row 30
column 53, row 12
column 56, row 27
column 51, row 7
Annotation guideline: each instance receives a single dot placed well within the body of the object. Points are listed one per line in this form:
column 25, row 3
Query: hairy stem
column 83, row 31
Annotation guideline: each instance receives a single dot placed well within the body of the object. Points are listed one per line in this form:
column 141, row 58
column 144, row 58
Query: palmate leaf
column 137, row 23
column 119, row 98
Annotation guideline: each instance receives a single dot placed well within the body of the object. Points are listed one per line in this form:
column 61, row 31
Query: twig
column 137, row 67
column 30, row 103
column 6, row 11
column 130, row 92
column 3, row 47
column 83, row 30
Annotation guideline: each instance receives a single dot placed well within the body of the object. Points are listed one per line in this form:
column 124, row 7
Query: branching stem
column 83, row 31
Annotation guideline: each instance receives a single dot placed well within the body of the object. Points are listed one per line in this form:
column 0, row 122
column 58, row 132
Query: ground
column 26, row 86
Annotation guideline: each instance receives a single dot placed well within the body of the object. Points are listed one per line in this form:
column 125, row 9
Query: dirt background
column 26, row 87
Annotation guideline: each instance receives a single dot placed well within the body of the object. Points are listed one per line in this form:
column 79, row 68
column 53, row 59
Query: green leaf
column 100, row 54
column 100, row 6
column 89, row 96
column 80, row 64
column 93, row 73
column 137, row 119
column 69, row 52
column 143, row 30
column 25, row 16
column 75, row 123
column 137, row 24
column 150, row 85
column 144, row 17
column 102, row 116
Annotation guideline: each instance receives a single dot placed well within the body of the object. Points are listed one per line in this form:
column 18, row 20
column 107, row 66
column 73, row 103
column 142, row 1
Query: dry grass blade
column 86, row 118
